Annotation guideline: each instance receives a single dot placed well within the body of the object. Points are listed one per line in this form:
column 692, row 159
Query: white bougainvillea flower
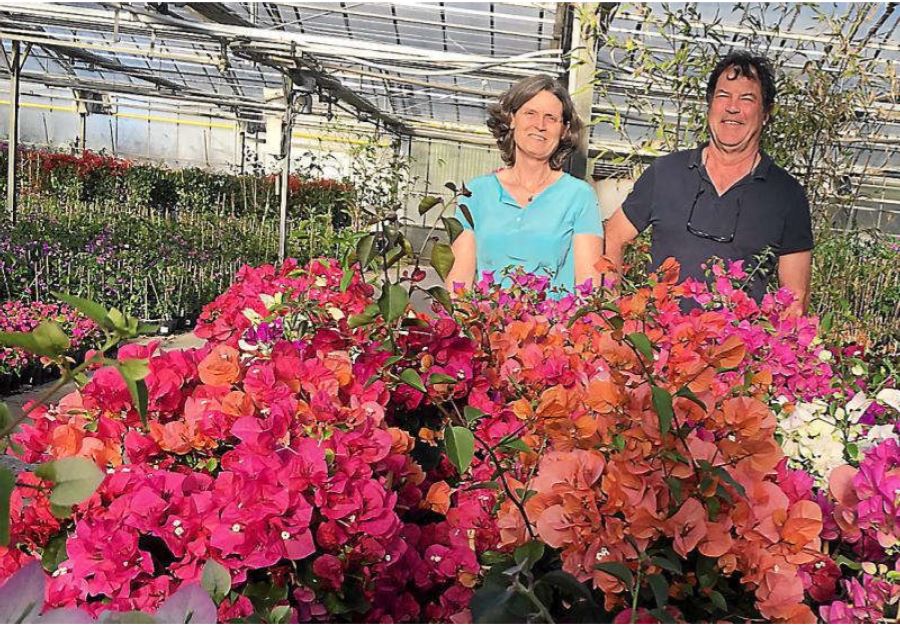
column 889, row 397
column 857, row 406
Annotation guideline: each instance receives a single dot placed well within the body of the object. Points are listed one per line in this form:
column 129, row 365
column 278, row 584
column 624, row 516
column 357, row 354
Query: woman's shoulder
column 577, row 186
column 482, row 183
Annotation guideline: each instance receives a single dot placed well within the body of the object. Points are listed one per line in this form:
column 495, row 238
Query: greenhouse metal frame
column 414, row 70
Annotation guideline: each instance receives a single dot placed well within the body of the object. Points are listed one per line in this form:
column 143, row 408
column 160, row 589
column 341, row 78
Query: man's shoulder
column 679, row 160
column 784, row 179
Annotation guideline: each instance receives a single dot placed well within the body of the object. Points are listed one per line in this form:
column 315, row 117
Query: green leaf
column 393, row 256
column 427, row 203
column 729, row 479
column 441, row 378
column 280, row 614
column 216, row 580
column 364, row 250
column 50, row 336
column 133, row 617
column 74, row 479
column 660, row 589
column 492, row 485
column 673, row 566
column 392, row 302
column 411, row 377
column 147, row 328
column 346, row 279
column 453, row 228
column 531, row 552
column 467, row 214
column 566, row 583
column 460, row 444
column 472, row 414
column 7, row 484
column 356, row 321
column 712, row 508
column 495, row 604
column 61, row 512
column 850, row 564
column 687, row 393
column 117, row 319
column 707, row 572
column 442, row 259
column 91, row 310
column 826, row 322
column 675, row 489
column 55, row 552
column 516, row 444
column 5, row 416
column 441, row 296
column 641, row 344
column 662, row 405
column 616, row 322
column 718, row 600
column 26, row 341
column 662, row 616
column 140, row 399
column 490, row 558
column 617, row 570
column 135, row 368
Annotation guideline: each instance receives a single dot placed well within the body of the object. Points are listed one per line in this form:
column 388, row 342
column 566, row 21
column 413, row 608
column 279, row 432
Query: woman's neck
column 527, row 168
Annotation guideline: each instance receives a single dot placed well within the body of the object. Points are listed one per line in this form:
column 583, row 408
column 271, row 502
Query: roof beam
column 113, row 88
column 89, row 57
column 216, row 11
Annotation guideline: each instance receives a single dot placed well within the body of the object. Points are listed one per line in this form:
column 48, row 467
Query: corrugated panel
column 436, row 162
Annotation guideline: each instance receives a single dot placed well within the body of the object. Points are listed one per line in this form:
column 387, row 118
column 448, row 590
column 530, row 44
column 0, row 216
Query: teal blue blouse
column 537, row 237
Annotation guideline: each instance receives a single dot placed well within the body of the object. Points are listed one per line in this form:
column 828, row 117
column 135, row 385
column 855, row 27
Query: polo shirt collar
column 761, row 172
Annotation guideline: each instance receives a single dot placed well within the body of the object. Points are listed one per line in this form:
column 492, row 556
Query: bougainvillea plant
column 330, row 456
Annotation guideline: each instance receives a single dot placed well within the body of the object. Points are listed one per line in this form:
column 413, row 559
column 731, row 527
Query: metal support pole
column 286, row 167
column 243, row 144
column 12, row 145
column 582, row 65
column 82, row 131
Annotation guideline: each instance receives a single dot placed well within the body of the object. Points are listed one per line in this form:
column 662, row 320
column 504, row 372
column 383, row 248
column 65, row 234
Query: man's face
column 736, row 115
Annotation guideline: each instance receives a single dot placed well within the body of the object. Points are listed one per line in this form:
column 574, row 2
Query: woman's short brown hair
column 500, row 116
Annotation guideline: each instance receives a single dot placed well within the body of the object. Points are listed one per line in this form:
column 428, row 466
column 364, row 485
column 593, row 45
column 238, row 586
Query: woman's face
column 538, row 126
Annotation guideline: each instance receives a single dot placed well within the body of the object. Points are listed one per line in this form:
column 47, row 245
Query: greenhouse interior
column 275, row 346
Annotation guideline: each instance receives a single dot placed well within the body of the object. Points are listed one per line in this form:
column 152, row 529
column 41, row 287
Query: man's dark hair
column 741, row 63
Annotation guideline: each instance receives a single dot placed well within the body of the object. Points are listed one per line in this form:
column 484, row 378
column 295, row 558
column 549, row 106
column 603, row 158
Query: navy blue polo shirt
column 767, row 209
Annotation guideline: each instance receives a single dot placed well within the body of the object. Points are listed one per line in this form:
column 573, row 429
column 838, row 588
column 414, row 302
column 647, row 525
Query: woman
column 531, row 214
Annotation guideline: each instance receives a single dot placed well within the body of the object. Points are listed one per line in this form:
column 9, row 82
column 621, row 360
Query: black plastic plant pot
column 166, row 326
column 6, row 383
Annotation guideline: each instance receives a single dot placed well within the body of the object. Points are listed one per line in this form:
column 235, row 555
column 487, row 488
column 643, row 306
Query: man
column 725, row 199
